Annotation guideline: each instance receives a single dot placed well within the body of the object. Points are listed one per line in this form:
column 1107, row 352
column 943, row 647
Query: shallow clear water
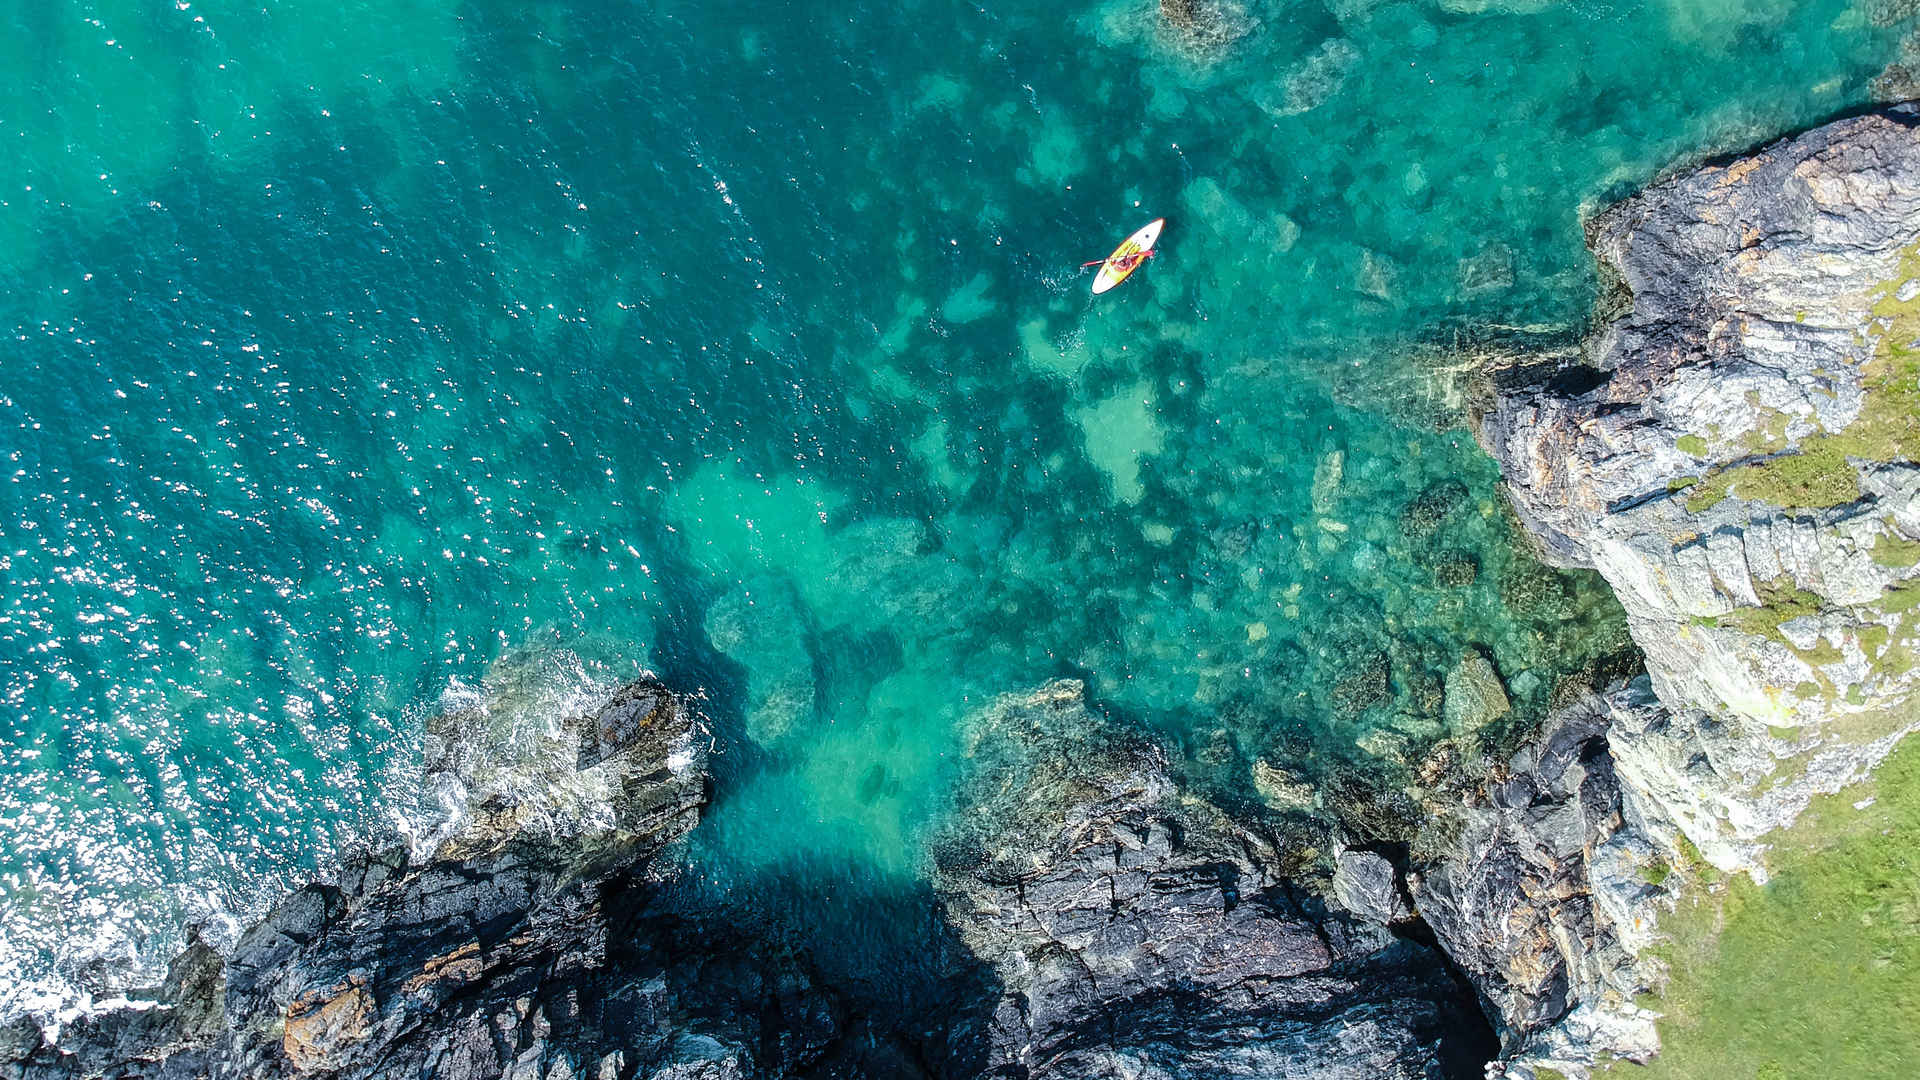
column 355, row 347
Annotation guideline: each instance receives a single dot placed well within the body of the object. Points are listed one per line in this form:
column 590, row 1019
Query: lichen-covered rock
column 1136, row 932
column 1736, row 453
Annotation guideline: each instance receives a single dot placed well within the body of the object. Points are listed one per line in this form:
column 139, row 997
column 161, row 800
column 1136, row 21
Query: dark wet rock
column 544, row 937
column 1371, row 808
column 489, row 958
column 1536, row 881
column 1089, row 920
column 1427, row 511
column 1136, row 932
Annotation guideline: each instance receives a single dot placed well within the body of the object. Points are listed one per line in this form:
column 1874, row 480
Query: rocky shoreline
column 1737, row 451
column 1734, row 449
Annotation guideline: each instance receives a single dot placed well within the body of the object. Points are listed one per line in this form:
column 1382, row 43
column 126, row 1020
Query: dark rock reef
column 492, row 958
column 1139, row 932
column 1104, row 926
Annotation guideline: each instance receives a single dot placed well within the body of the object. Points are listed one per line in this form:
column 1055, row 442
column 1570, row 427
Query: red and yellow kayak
column 1120, row 264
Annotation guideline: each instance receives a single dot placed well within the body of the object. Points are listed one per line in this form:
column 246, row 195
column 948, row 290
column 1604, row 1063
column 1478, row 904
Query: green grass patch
column 1818, row 475
column 1896, row 551
column 1821, row 654
column 1780, row 601
column 1887, row 429
column 1691, row 445
column 1697, row 866
column 1900, row 599
column 1818, row 973
column 1705, row 497
column 1681, row 483
column 1873, row 638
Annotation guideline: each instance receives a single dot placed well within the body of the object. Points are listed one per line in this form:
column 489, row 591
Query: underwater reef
column 1735, row 447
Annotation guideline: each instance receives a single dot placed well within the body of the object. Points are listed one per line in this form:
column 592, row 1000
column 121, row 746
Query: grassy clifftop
column 1817, row 973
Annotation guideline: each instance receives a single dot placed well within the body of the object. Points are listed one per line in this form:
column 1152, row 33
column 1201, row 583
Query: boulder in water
column 1475, row 695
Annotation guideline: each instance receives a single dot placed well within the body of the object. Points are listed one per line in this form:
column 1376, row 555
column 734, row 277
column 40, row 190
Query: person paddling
column 1124, row 263
column 1126, row 258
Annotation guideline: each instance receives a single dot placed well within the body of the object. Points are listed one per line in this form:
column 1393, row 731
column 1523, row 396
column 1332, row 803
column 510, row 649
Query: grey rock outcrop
column 1367, row 884
column 1137, row 932
column 1736, row 453
column 1540, row 879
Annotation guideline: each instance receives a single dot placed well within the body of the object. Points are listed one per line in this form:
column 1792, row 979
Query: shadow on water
column 821, row 973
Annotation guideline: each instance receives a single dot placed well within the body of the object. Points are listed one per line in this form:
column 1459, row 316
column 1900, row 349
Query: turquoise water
column 361, row 350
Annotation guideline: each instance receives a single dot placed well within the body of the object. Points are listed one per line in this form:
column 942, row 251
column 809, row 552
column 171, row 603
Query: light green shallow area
column 367, row 356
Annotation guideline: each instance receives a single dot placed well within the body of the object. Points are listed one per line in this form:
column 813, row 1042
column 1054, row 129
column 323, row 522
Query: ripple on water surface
column 358, row 346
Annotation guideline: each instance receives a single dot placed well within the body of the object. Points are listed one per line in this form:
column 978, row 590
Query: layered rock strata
column 1540, row 879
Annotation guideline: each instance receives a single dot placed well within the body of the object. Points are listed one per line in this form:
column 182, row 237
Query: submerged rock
column 1475, row 696
column 1282, row 788
column 1455, row 569
column 763, row 626
column 1425, row 513
column 1205, row 26
column 1137, row 932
